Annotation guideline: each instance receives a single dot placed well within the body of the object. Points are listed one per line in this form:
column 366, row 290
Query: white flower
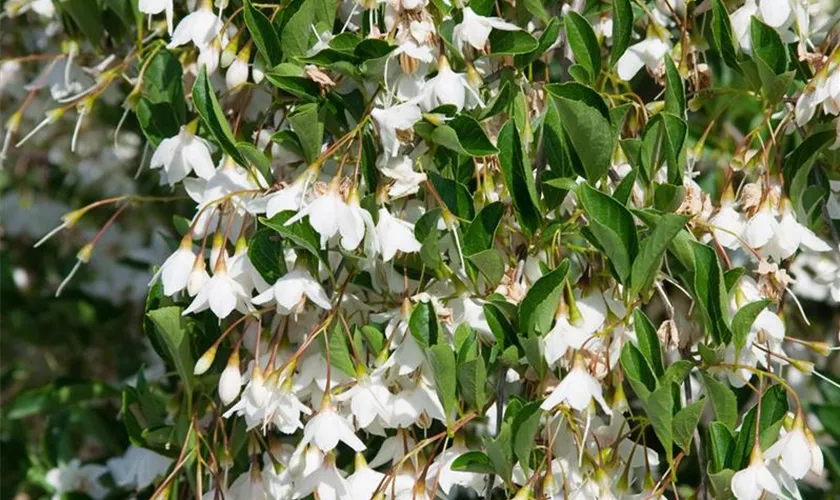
column 290, row 290
column 288, row 198
column 369, row 399
column 356, row 225
column 575, row 327
column 448, row 87
column 364, row 480
column 777, row 14
column 176, row 269
column 152, row 7
column 475, row 29
column 728, row 224
column 182, row 154
column 441, row 468
column 761, row 228
column 324, row 213
column 248, row 486
column 752, row 482
column 199, row 27
column 327, row 428
column 221, row 294
column 395, row 235
column 138, row 468
column 577, row 390
column 649, row 52
column 73, row 477
column 237, row 72
column 741, row 20
column 793, row 451
column 789, row 236
column 401, row 170
column 327, row 481
column 391, row 120
column 253, row 403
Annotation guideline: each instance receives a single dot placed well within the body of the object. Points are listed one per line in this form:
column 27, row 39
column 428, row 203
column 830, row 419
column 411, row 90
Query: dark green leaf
column 204, row 99
column 266, row 255
column 537, row 310
column 646, row 265
column 622, row 28
column 724, row 402
column 263, row 34
column 423, row 324
column 743, row 320
column 614, row 228
column 648, row 341
column 685, row 422
column 583, row 42
column 519, row 178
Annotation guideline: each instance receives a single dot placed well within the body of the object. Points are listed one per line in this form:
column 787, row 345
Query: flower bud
column 209, row 57
column 205, row 361
column 237, row 73
column 197, row 277
column 258, row 70
column 231, row 380
column 229, row 54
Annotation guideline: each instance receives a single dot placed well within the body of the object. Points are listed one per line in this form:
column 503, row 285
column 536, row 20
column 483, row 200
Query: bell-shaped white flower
column 199, row 27
column 448, row 87
column 475, row 29
column 741, row 19
column 364, row 480
column 395, row 235
column 326, row 428
column 394, row 448
column 793, row 451
column 152, row 7
column 369, row 399
column 138, row 467
column 248, row 486
column 289, row 292
column 327, row 480
column 221, row 294
column 401, row 170
column 324, row 214
column 417, row 404
column 751, row 483
column 761, row 227
column 182, row 154
column 577, row 322
column 175, row 271
column 777, row 14
column 728, row 223
column 649, row 52
column 389, row 121
column 789, row 236
column 577, row 390
column 237, row 73
column 208, row 57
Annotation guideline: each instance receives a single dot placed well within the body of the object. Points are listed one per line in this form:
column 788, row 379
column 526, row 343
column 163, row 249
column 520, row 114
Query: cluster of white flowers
column 339, row 260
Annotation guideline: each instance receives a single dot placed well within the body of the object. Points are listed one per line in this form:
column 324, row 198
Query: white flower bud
column 205, row 361
column 237, row 73
column 231, row 380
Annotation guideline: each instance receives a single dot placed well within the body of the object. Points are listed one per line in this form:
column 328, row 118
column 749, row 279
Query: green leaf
column 170, row 333
column 263, row 34
column 266, row 255
column 473, row 461
column 724, row 402
column 472, row 377
column 675, row 133
column 648, row 341
column 423, row 324
column 743, row 321
column 533, row 349
column 57, row 395
column 525, row 427
column 289, row 78
column 300, row 233
column 340, row 357
column 797, row 166
column 721, row 484
column 647, row 263
column 86, row 15
column 500, row 452
column 685, row 422
column 583, row 42
column 676, row 372
column 490, row 263
column 774, row 407
column 723, row 38
column 534, row 7
column 480, row 234
column 461, row 134
column 519, row 178
column 309, row 128
column 547, row 39
column 585, row 118
column 613, row 226
column 767, row 46
column 721, row 446
column 296, row 34
column 674, row 89
column 508, row 43
column 538, row 308
column 622, row 29
column 455, row 196
column 659, row 408
column 204, row 99
column 442, row 361
column 255, row 158
column 638, row 370
column 710, row 293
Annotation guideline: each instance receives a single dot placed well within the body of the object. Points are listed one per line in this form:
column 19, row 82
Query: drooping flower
column 474, row 29
column 751, row 483
column 400, row 169
column 152, row 7
column 182, row 154
column 392, row 121
column 649, row 52
column 175, row 271
column 395, row 235
column 138, row 467
column 199, row 27
column 326, row 428
column 794, row 451
column 577, row 390
column 221, row 294
column 289, row 292
column 448, row 87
